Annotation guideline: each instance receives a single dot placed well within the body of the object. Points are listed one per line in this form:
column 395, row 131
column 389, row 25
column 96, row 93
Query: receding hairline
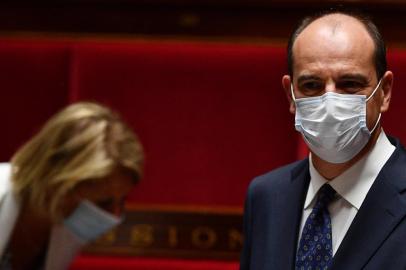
column 335, row 18
column 335, row 22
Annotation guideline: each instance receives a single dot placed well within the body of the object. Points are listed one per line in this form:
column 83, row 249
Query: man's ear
column 387, row 83
column 286, row 82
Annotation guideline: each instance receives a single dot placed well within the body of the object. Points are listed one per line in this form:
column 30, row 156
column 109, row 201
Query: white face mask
column 88, row 221
column 334, row 126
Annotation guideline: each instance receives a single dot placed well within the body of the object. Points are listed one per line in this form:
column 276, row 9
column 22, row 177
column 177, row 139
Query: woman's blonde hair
column 84, row 141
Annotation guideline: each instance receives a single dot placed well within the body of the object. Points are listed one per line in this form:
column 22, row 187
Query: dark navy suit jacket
column 376, row 238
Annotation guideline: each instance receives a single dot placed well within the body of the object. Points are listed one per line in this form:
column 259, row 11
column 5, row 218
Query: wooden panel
column 169, row 232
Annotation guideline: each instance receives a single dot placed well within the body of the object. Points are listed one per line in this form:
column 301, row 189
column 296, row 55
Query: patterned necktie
column 315, row 247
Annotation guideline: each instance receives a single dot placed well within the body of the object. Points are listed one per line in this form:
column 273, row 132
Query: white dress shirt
column 352, row 187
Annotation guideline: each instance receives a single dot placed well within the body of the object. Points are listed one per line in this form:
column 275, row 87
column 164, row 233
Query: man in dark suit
column 344, row 207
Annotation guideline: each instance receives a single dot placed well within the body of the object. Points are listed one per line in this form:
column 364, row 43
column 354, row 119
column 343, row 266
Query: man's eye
column 312, row 85
column 350, row 86
column 312, row 88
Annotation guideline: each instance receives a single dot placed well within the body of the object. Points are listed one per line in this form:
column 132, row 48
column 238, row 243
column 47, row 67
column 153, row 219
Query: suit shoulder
column 276, row 177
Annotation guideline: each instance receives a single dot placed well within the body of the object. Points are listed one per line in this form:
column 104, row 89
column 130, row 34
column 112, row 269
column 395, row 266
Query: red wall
column 210, row 115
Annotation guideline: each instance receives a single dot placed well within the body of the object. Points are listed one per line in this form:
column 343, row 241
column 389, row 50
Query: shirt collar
column 353, row 184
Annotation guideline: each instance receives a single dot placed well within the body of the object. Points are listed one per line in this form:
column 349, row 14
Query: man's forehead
column 335, row 41
column 333, row 25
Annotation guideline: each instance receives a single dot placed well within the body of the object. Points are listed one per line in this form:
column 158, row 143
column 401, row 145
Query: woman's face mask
column 89, row 221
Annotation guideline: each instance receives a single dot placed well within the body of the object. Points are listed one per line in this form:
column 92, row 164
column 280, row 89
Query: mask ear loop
column 379, row 117
column 291, row 92
column 376, row 124
column 373, row 92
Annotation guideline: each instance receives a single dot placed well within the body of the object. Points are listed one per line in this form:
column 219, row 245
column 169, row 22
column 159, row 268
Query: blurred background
column 200, row 83
column 186, row 19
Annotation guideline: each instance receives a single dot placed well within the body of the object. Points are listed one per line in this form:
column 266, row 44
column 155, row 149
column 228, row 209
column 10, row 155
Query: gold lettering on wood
column 142, row 235
column 234, row 239
column 203, row 237
column 108, row 238
column 172, row 236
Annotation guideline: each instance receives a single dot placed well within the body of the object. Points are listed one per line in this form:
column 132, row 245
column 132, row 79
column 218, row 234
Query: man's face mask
column 334, row 125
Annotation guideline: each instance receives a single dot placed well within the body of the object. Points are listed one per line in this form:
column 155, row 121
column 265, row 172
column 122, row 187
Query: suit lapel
column 380, row 213
column 289, row 208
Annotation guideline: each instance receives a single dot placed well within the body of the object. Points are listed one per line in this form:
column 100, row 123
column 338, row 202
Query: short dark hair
column 372, row 29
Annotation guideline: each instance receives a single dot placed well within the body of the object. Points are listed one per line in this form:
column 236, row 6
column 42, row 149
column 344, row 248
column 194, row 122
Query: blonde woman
column 66, row 186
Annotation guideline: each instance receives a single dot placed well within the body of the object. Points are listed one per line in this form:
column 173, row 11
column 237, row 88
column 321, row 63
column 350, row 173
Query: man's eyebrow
column 303, row 78
column 356, row 77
